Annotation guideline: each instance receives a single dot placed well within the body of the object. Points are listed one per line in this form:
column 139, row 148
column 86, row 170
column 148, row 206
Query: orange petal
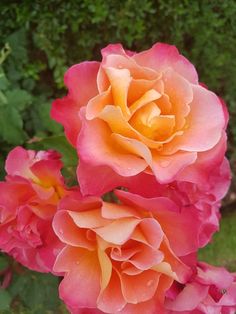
column 120, row 80
column 138, row 87
column 146, row 98
column 97, row 146
column 96, row 104
column 139, row 288
column 111, row 300
column 106, row 268
column 68, row 232
column 88, row 219
column 116, row 211
column 180, row 95
column 119, row 231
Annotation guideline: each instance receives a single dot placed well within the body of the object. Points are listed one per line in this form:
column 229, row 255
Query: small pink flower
column 211, row 290
column 122, row 258
column 28, row 202
column 140, row 112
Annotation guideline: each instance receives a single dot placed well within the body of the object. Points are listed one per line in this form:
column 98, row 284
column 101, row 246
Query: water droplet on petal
column 61, row 231
column 165, row 163
column 150, row 282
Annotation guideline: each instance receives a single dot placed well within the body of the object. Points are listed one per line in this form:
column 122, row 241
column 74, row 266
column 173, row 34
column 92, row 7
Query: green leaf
column 39, row 292
column 42, row 119
column 11, row 126
column 17, row 42
column 4, row 83
column 5, row 300
column 18, row 98
column 3, row 262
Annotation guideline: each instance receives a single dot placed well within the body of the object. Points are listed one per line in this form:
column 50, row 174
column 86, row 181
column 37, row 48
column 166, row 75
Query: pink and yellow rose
column 139, row 112
column 122, row 258
column 29, row 197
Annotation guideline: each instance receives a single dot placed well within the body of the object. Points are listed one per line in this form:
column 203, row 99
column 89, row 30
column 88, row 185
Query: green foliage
column 222, row 250
column 5, row 300
column 30, row 292
column 40, row 40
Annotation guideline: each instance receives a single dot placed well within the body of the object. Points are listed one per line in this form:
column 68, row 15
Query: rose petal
column 189, row 298
column 163, row 56
column 98, row 147
column 81, row 285
column 166, row 168
column 111, row 300
column 119, row 231
column 68, row 232
column 81, row 82
column 139, row 288
column 205, row 104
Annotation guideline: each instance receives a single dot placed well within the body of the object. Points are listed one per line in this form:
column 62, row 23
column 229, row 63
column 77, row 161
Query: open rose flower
column 139, row 112
column 212, row 290
column 122, row 257
column 28, row 202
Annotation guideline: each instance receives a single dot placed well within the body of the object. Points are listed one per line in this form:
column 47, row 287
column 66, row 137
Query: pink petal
column 75, row 202
column 151, row 231
column 18, row 162
column 111, row 300
column 66, row 112
column 67, row 258
column 154, row 204
column 48, row 172
column 163, row 56
column 210, row 171
column 113, row 49
column 81, row 285
column 180, row 96
column 183, row 235
column 81, row 82
column 189, row 298
column 147, row 258
column 68, row 232
column 166, row 168
column 205, row 104
column 211, row 275
column 87, row 177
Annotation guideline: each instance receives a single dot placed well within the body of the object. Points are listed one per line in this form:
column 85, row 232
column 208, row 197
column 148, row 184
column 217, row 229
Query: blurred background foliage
column 39, row 40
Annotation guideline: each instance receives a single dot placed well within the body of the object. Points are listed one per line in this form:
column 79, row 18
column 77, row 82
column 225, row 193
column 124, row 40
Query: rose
column 121, row 258
column 28, row 202
column 212, row 290
column 143, row 112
